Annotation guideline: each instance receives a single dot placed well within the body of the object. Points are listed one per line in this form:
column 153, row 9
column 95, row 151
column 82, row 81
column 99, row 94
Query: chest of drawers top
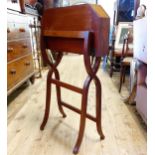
column 17, row 26
column 18, row 36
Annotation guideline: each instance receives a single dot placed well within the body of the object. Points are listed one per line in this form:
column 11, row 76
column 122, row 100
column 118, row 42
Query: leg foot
column 102, row 137
column 75, row 150
column 83, row 115
column 32, row 79
column 42, row 127
column 64, row 116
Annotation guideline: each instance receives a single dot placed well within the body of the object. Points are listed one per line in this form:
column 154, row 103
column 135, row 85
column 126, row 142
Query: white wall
column 108, row 5
column 143, row 2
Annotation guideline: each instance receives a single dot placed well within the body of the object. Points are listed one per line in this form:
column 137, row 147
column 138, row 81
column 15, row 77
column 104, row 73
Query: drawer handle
column 13, row 71
column 24, row 46
column 14, row 1
column 8, row 30
column 10, row 49
column 27, row 63
column 21, row 30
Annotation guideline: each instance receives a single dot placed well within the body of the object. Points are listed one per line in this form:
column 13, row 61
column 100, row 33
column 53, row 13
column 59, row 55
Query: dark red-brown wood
column 82, row 30
column 85, row 17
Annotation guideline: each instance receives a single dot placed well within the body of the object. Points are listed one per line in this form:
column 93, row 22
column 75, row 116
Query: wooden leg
column 111, row 68
column 98, row 107
column 91, row 70
column 48, row 89
column 32, row 79
column 111, row 56
column 58, row 90
column 121, row 77
column 124, row 74
column 83, row 115
column 48, row 100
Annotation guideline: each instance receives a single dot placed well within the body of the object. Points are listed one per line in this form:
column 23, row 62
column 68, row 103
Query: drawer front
column 17, row 26
column 16, row 49
column 19, row 70
column 17, row 31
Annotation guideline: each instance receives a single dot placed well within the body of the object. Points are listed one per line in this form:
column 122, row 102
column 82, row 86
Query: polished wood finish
column 18, row 48
column 90, row 18
column 19, row 51
column 81, row 29
column 18, row 70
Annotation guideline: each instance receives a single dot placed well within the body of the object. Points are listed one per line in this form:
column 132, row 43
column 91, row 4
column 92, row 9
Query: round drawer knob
column 13, row 71
column 24, row 46
column 8, row 30
column 10, row 49
column 21, row 30
column 27, row 63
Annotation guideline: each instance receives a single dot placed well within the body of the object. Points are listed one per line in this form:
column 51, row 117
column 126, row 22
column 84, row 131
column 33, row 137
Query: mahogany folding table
column 80, row 29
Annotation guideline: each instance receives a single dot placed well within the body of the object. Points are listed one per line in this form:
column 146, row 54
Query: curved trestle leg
column 91, row 70
column 48, row 99
column 58, row 90
column 83, row 114
column 48, row 90
column 98, row 107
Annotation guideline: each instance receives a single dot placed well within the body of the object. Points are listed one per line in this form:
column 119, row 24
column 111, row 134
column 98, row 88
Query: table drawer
column 16, row 49
column 19, row 70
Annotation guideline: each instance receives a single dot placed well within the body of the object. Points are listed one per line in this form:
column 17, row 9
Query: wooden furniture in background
column 81, row 29
column 115, row 51
column 114, row 58
column 125, row 59
column 19, row 50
